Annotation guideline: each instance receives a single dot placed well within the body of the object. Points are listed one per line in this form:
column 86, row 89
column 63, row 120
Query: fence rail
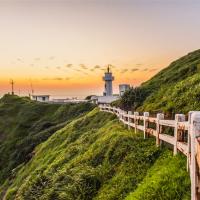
column 185, row 138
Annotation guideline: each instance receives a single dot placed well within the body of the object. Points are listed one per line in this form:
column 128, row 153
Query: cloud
column 19, row 60
column 51, row 58
column 37, row 59
column 146, row 69
column 68, row 65
column 32, row 65
column 139, row 64
column 85, row 73
column 97, row 67
column 152, row 70
column 83, row 66
column 112, row 66
column 124, row 71
column 56, row 79
column 58, row 67
column 134, row 69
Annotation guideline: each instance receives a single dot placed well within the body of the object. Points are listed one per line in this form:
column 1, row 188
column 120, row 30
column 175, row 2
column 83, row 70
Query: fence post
column 178, row 118
column 113, row 109
column 194, row 132
column 129, row 119
column 189, row 140
column 146, row 115
column 135, row 120
column 117, row 111
column 120, row 114
column 159, row 117
column 124, row 117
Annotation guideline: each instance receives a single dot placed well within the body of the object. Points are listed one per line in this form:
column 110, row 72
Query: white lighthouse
column 108, row 78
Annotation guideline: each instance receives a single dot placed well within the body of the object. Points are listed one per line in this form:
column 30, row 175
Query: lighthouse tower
column 108, row 78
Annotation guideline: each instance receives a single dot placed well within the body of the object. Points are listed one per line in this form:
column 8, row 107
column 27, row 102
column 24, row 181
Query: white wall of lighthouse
column 108, row 78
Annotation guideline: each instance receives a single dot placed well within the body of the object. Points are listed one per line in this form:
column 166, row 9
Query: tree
column 133, row 98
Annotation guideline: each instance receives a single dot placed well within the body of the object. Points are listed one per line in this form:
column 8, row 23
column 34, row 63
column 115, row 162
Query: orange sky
column 63, row 47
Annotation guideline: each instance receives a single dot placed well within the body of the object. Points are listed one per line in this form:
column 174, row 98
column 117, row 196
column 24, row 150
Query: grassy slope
column 24, row 124
column 94, row 157
column 181, row 97
column 166, row 180
column 165, row 90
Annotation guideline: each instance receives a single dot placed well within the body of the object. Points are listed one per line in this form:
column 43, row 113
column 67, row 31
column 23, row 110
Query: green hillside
column 95, row 157
column 181, row 97
column 178, row 70
column 74, row 151
column 24, row 124
column 174, row 89
column 163, row 182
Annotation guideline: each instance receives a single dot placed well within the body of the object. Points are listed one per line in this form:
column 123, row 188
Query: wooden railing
column 185, row 138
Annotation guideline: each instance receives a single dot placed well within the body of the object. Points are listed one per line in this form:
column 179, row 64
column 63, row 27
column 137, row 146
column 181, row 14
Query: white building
column 106, row 99
column 64, row 101
column 41, row 98
column 108, row 78
column 123, row 88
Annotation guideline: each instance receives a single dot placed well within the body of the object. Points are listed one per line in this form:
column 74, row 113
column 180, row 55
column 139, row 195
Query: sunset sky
column 63, row 47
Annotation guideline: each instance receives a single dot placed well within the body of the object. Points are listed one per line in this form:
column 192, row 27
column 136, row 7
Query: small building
column 123, row 88
column 58, row 101
column 65, row 101
column 40, row 98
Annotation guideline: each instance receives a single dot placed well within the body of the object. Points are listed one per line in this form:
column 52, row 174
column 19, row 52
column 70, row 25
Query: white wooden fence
column 189, row 147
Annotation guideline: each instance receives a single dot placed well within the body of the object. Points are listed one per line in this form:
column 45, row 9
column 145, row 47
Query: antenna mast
column 12, row 86
column 32, row 90
column 108, row 69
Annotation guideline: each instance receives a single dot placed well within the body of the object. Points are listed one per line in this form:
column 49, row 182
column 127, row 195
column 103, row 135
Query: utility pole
column 12, row 85
column 32, row 89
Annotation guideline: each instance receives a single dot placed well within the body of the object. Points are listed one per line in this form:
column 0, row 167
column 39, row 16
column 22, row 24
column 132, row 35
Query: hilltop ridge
column 174, row 89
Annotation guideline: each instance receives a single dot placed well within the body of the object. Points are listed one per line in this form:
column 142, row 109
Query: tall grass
column 24, row 124
column 166, row 180
column 93, row 157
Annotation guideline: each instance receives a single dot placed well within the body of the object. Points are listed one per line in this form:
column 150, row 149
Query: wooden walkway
column 185, row 138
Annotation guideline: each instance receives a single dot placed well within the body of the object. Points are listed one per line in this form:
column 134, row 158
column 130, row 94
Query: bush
column 133, row 98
